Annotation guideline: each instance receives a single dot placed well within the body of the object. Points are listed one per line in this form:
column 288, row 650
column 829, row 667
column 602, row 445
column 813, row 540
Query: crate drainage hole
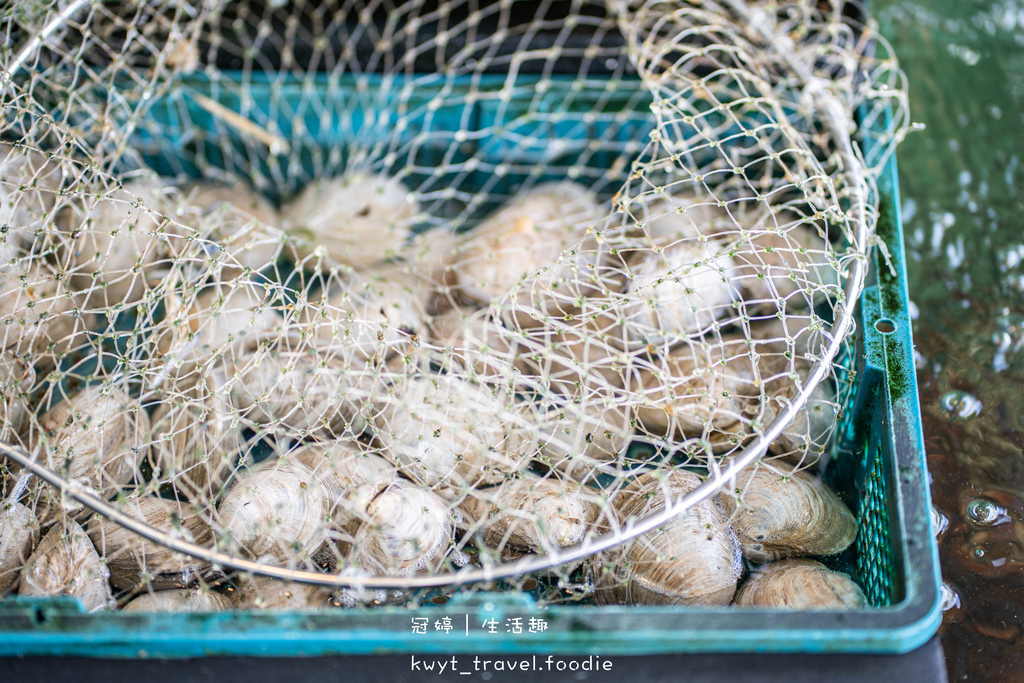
column 885, row 326
column 39, row 616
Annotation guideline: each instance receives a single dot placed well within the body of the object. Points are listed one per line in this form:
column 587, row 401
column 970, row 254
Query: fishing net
column 385, row 297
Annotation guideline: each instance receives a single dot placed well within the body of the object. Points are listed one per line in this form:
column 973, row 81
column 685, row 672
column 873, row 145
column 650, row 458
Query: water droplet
column 979, row 552
column 960, row 405
column 982, row 511
column 950, row 599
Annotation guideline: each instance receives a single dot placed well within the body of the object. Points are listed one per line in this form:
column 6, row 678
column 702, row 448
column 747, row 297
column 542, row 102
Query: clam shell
column 676, row 292
column 575, row 359
column 799, row 584
column 19, row 533
column 695, row 391
column 532, row 514
column 284, row 382
column 228, row 314
column 578, row 438
column 197, row 441
column 262, row 592
column 280, row 509
column 344, row 465
column 133, row 561
column 478, row 343
column 237, row 219
column 17, row 379
column 692, row 560
column 66, row 563
column 29, row 194
column 38, row 312
column 358, row 220
column 447, row 432
column 99, row 436
column 542, row 237
column 179, row 600
column 783, row 514
column 119, row 237
column 404, row 530
column 369, row 316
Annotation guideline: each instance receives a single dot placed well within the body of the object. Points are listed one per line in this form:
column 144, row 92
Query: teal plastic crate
column 878, row 465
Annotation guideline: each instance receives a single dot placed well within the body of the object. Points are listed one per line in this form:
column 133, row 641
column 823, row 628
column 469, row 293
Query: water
column 962, row 179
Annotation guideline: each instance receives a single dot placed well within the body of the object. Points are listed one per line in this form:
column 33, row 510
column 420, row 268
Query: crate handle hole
column 885, row 326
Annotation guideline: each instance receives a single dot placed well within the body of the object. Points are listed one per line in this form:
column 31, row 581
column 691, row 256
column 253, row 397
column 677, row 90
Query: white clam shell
column 133, row 561
column 179, row 600
column 117, row 240
column 279, row 509
column 692, row 560
column 358, row 220
column 447, row 432
column 98, row 437
column 368, row 316
column 479, row 344
column 799, row 584
column 532, row 514
column 197, row 440
column 265, row 593
column 17, row 379
column 676, row 292
column 344, row 465
column 784, row 513
column 19, row 534
column 404, row 530
column 29, row 199
column 66, row 563
column 538, row 248
column 40, row 317
column 241, row 222
column 579, row 437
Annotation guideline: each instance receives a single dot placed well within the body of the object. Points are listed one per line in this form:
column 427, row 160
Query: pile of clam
column 321, row 386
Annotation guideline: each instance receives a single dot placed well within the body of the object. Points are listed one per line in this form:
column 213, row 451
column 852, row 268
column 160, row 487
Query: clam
column 17, row 379
column 40, row 319
column 575, row 359
column 447, row 432
column 358, row 220
column 116, row 240
column 242, row 223
column 133, row 561
column 404, row 530
column 179, row 600
column 692, row 560
column 197, row 438
column 675, row 293
column 579, row 437
column 799, row 584
column 19, row 533
column 344, row 465
column 263, row 592
column 280, row 509
column 287, row 382
column 478, row 343
column 788, row 513
column 99, row 436
column 226, row 314
column 696, row 391
column 531, row 514
column 30, row 185
column 536, row 250
column 66, row 563
column 369, row 316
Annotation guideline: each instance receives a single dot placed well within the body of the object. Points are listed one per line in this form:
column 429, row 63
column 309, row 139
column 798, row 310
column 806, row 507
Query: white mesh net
column 402, row 294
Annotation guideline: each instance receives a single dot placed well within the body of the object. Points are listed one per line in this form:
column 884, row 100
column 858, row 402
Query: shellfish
column 358, row 220
column 66, row 563
column 179, row 600
column 280, row 508
column 788, row 513
column 19, row 533
column 29, row 191
column 133, row 561
column 799, row 584
column 693, row 559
